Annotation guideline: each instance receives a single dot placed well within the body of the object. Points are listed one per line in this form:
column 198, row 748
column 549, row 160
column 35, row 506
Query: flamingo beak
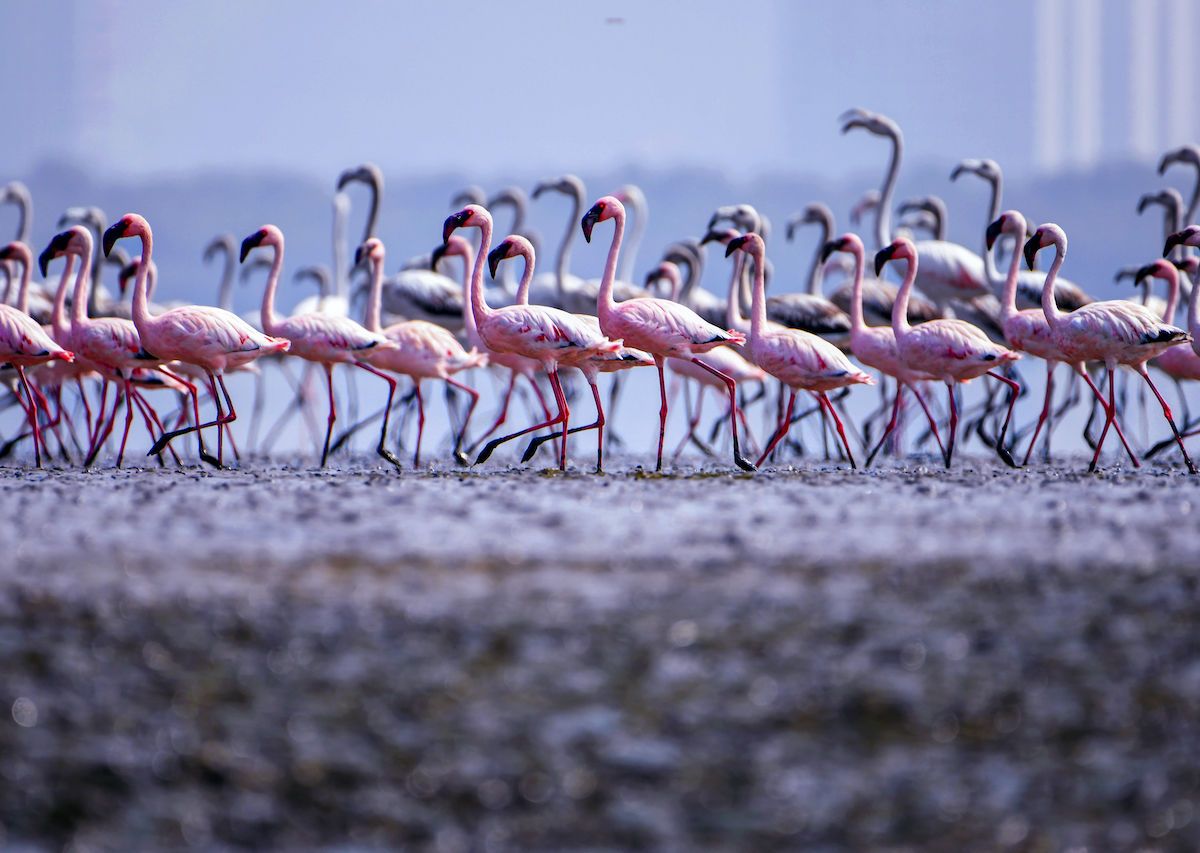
column 993, row 232
column 883, row 256
column 349, row 176
column 437, row 254
column 1143, row 272
column 57, row 246
column 589, row 221
column 1032, row 246
column 830, row 247
column 114, row 233
column 1172, row 241
column 453, row 222
column 127, row 272
column 735, row 244
column 252, row 242
column 359, row 256
column 495, row 256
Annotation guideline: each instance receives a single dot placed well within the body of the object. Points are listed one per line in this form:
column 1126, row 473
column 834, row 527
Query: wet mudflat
column 816, row 658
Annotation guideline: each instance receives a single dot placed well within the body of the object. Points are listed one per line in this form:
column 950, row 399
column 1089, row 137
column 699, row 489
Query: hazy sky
column 533, row 85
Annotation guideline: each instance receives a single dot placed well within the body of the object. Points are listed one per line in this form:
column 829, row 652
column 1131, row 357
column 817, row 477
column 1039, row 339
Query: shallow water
column 516, row 658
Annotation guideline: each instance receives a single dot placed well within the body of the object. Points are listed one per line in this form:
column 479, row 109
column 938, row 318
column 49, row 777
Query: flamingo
column 810, row 310
column 948, row 271
column 875, row 346
column 689, row 253
column 548, row 335
column 950, row 350
column 1188, row 155
column 659, row 326
column 560, row 287
column 605, row 362
column 1029, row 331
column 423, row 350
column 1113, row 331
column 209, row 338
column 224, row 244
column 24, row 343
column 518, row 200
column 931, row 205
column 322, row 339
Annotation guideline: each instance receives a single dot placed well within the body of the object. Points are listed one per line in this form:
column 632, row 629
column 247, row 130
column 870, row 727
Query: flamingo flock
column 68, row 345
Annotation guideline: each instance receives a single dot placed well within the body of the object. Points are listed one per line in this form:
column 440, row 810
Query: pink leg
column 87, row 407
column 98, row 424
column 1116, row 421
column 1013, row 390
column 662, row 410
column 785, row 423
column 1109, row 414
column 128, row 421
column 508, row 392
column 841, row 430
column 565, row 414
column 694, row 420
column 891, row 424
column 474, row 395
column 929, row 417
column 1046, row 405
column 332, row 416
column 420, row 422
column 953, row 424
column 598, row 424
column 738, row 459
column 381, row 449
column 106, row 431
column 33, row 417
column 550, row 421
column 1167, row 414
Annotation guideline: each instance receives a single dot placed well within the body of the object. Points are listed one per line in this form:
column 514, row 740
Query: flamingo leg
column 462, row 433
column 128, row 421
column 219, row 422
column 1047, row 405
column 152, row 421
column 332, row 413
column 490, row 447
column 662, row 411
column 87, row 407
column 1107, row 405
column 785, row 423
column 891, row 425
column 33, row 419
column 107, row 428
column 381, row 448
column 694, row 422
column 565, row 410
column 1109, row 415
column 598, row 424
column 98, row 423
column 953, row 424
column 1014, row 392
column 929, row 416
column 1141, row 368
column 421, row 420
column 738, row 459
column 503, row 416
column 841, row 430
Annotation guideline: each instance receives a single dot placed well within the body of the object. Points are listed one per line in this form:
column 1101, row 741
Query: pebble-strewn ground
column 815, row 659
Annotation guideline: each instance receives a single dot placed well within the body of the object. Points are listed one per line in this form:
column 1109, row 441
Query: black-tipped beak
column 114, row 233
column 453, row 222
column 543, row 187
column 589, row 221
column 127, row 272
column 1143, row 272
column 830, row 247
column 1032, row 246
column 349, row 176
column 710, row 237
column 57, row 246
column 735, row 244
column 359, row 256
column 250, row 243
column 496, row 255
column 437, row 254
column 1173, row 241
column 882, row 257
column 993, row 232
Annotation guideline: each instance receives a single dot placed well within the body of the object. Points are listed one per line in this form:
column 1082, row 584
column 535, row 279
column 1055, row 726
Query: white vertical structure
column 1085, row 136
column 1143, row 79
column 1180, row 21
column 1049, row 86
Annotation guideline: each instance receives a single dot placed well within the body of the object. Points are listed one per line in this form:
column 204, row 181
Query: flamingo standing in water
column 949, row 350
column 605, row 362
column 663, row 328
column 24, row 343
column 800, row 360
column 423, row 350
column 548, row 335
column 209, row 338
column 1114, row 331
column 875, row 346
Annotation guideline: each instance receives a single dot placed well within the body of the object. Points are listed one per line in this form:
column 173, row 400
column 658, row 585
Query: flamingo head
column 666, row 271
column 813, row 214
column 605, row 208
column 220, row 243
column 16, row 251
column 720, row 235
column 1161, row 269
column 1189, row 236
column 14, row 192
column 471, row 216
column 510, row 247
column 1189, row 266
column 1168, row 198
column 76, row 240
column 989, row 170
column 567, row 185
column 454, row 246
column 899, row 250
column 1189, row 154
column 268, row 235
column 367, row 173
column 874, row 123
column 865, row 205
column 745, row 216
column 751, row 244
column 1011, row 222
column 849, row 242
column 127, row 272
column 129, row 225
column 371, row 250
column 1047, row 235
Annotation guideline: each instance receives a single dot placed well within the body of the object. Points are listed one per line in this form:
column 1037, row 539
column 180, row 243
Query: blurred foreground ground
column 825, row 659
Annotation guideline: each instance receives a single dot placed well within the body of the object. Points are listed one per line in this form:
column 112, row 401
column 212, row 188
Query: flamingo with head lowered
column 663, row 328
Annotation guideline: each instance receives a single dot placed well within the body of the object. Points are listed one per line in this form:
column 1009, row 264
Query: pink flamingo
column 952, row 351
column 108, row 345
column 1115, row 332
column 209, row 338
column 23, row 343
column 423, row 350
column 875, row 346
column 1027, row 330
column 606, row 362
column 549, row 335
column 663, row 328
column 800, row 360
column 324, row 339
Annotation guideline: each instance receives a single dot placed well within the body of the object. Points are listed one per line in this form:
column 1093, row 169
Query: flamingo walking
column 663, row 328
column 952, row 351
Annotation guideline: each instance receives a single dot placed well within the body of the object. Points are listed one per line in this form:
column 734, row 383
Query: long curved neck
column 79, row 301
column 625, row 271
column 526, row 280
column 563, row 263
column 758, row 303
column 141, row 297
column 1049, row 305
column 341, row 278
column 269, row 320
column 1194, row 315
column 900, row 324
column 23, row 290
column 1008, row 299
column 883, row 213
column 990, row 271
column 375, row 297
column 733, row 308
column 225, row 291
column 25, row 218
column 58, row 319
column 1194, row 205
column 475, row 305
column 816, row 269
column 604, row 301
column 1172, row 298
column 373, row 215
column 857, row 324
